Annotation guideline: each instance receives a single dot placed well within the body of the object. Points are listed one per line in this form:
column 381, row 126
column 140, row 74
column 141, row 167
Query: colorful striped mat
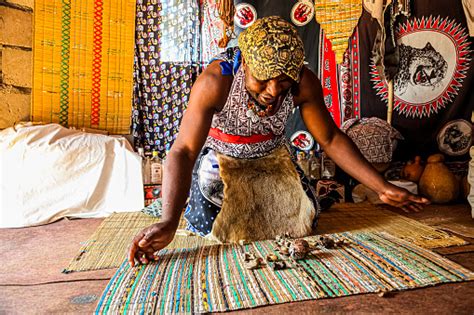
column 83, row 63
column 358, row 217
column 214, row 278
column 107, row 247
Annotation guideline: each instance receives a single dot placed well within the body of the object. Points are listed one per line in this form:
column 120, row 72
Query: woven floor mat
column 107, row 247
column 353, row 217
column 458, row 225
column 215, row 279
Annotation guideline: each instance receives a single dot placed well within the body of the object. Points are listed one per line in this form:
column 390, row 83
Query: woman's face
column 267, row 92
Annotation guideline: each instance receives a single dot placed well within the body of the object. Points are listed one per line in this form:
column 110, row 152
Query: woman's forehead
column 280, row 77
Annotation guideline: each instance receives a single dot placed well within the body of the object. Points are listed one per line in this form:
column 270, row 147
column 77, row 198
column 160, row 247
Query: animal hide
column 263, row 198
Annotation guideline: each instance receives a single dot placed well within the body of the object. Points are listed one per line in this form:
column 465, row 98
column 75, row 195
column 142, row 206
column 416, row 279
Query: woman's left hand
column 402, row 198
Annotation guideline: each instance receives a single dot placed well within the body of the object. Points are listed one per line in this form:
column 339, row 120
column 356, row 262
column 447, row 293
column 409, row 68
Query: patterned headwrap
column 271, row 47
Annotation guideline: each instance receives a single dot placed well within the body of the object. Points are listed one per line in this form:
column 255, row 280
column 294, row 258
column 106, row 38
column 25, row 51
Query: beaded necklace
column 258, row 110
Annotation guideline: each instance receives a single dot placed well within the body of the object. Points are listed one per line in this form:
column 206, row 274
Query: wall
column 16, row 60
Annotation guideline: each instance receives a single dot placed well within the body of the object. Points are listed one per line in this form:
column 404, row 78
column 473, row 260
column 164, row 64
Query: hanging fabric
column 167, row 55
column 211, row 30
column 338, row 19
column 83, row 65
column 433, row 83
column 328, row 74
column 226, row 11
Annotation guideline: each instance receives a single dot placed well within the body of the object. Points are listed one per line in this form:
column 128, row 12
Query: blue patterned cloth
column 154, row 209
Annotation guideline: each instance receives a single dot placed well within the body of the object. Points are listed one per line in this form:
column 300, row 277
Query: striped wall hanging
column 83, row 63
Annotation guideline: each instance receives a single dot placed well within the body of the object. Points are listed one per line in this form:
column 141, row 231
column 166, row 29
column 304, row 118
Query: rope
column 50, row 282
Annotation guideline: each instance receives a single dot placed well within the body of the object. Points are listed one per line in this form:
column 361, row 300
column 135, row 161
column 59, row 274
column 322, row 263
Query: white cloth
column 49, row 172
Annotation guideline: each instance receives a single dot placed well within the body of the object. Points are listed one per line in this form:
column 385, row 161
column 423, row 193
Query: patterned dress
column 238, row 133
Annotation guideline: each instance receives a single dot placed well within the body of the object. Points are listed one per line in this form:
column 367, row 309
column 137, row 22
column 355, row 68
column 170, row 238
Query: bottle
column 156, row 168
column 147, row 170
column 145, row 173
column 314, row 166
column 329, row 167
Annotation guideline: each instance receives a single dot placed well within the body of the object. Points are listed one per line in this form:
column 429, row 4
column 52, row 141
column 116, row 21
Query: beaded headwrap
column 271, row 47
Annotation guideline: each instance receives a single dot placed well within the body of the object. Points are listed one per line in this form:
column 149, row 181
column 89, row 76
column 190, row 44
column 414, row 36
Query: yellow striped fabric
column 83, row 63
column 338, row 19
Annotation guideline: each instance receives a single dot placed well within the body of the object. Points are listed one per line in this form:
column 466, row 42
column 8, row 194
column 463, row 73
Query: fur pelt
column 263, row 198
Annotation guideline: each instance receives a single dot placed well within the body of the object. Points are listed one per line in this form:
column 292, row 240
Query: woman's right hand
column 149, row 241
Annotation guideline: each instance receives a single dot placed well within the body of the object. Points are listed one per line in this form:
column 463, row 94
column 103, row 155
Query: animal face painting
column 424, row 67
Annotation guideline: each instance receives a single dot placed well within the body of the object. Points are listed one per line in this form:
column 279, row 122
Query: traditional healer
column 231, row 156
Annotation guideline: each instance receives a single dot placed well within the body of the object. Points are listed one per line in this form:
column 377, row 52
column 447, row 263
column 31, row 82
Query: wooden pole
column 390, row 102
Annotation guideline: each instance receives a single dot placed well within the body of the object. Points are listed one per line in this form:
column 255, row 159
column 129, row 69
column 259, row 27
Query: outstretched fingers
column 419, row 200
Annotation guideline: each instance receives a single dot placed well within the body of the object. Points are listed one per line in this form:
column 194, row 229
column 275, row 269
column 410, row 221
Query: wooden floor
column 31, row 281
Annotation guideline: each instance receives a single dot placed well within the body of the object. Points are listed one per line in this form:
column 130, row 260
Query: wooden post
column 390, row 102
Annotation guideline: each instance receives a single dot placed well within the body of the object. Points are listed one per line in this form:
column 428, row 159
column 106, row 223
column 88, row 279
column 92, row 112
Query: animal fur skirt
column 250, row 199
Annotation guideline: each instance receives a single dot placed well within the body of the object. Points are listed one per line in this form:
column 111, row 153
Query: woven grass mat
column 215, row 279
column 458, row 225
column 353, row 217
column 107, row 247
column 83, row 63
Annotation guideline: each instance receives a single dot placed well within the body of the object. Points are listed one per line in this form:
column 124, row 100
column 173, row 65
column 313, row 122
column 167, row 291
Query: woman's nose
column 273, row 88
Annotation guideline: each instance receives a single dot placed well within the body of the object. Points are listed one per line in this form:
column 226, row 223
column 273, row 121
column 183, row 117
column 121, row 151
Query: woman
column 245, row 184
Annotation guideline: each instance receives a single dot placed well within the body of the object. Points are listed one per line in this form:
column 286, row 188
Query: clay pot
column 437, row 182
column 413, row 170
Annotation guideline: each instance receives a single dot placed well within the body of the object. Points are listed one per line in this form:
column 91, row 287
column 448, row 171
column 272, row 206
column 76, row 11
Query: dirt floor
column 31, row 281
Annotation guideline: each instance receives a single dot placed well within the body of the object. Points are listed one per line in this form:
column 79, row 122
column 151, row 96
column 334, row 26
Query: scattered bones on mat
column 296, row 249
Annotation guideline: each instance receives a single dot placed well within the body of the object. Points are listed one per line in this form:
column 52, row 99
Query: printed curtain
column 433, row 88
column 166, row 63
column 211, row 32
